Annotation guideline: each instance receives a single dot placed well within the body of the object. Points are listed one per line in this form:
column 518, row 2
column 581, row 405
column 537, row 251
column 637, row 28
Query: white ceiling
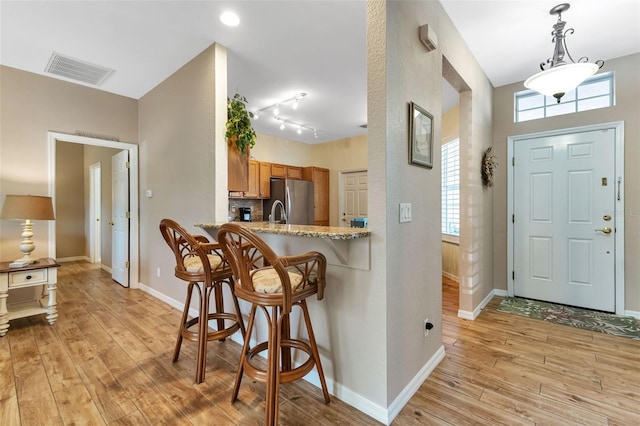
column 284, row 47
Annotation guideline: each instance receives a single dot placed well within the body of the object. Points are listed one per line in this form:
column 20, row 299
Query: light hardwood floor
column 107, row 360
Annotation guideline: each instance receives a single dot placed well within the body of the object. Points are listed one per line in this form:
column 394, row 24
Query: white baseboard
column 634, row 314
column 73, row 259
column 412, row 387
column 343, row 393
column 473, row 315
column 105, row 268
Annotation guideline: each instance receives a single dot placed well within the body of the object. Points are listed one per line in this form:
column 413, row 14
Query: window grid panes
column 451, row 188
column 595, row 92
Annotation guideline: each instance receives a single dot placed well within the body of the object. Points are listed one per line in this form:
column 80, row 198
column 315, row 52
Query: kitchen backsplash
column 254, row 205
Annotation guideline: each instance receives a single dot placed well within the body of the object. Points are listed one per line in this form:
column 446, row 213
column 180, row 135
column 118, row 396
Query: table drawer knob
column 28, row 277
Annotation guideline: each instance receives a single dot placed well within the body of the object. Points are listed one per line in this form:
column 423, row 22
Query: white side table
column 44, row 273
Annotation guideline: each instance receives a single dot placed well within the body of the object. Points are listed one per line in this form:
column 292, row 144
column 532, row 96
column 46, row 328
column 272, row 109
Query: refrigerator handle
column 288, row 203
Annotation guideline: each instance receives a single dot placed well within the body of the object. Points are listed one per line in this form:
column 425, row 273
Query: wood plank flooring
column 107, row 360
column 510, row 370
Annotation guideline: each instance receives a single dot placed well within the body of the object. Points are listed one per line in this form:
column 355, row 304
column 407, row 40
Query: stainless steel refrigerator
column 297, row 197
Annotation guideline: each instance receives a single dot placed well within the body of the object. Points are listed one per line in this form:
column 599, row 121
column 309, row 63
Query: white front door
column 354, row 197
column 120, row 218
column 564, row 192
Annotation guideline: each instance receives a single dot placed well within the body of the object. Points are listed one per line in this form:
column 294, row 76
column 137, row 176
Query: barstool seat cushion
column 194, row 264
column 268, row 281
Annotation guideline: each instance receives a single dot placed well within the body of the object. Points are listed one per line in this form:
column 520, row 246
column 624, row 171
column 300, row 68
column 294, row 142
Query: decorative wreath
column 489, row 164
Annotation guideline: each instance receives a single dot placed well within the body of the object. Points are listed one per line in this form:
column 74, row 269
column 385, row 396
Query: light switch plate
column 405, row 212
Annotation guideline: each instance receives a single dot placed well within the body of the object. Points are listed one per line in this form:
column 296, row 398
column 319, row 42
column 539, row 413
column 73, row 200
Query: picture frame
column 420, row 136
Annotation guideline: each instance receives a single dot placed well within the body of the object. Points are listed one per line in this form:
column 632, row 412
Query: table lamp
column 27, row 208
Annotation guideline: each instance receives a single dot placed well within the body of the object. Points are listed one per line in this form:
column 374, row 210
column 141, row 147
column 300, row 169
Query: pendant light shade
column 561, row 79
column 558, row 76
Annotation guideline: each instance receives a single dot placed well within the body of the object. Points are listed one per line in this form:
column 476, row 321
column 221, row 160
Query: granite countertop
column 309, row 231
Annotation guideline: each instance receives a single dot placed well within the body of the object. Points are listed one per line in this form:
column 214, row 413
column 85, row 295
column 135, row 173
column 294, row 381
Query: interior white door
column 354, row 196
column 95, row 209
column 120, row 218
column 564, row 219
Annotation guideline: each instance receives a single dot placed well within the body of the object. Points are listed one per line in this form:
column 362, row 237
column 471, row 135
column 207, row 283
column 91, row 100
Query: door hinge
column 127, row 164
column 513, row 275
column 127, row 215
column 126, row 264
column 513, row 161
column 513, row 218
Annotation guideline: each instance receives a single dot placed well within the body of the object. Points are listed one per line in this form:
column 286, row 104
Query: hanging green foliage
column 239, row 128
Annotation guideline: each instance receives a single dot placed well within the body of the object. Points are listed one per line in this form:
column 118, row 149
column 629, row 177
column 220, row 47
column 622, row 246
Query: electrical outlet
column 158, row 272
column 426, row 327
column 233, row 209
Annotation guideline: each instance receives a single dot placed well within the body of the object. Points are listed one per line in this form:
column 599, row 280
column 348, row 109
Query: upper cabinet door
column 237, row 169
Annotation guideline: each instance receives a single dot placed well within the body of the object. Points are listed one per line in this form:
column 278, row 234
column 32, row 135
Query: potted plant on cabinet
column 241, row 138
column 239, row 128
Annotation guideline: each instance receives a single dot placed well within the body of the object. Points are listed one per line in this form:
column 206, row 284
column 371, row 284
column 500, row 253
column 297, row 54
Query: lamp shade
column 561, row 79
column 31, row 207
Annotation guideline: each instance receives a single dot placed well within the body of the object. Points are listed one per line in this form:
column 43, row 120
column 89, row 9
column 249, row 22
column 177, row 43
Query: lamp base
column 21, row 263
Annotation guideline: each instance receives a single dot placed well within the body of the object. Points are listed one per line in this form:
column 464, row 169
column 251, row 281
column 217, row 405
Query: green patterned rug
column 576, row 317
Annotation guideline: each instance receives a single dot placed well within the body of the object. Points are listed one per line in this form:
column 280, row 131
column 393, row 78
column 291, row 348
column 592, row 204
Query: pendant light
column 558, row 76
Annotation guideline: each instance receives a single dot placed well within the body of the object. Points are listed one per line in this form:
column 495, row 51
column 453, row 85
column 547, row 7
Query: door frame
column 134, row 225
column 95, row 212
column 618, row 127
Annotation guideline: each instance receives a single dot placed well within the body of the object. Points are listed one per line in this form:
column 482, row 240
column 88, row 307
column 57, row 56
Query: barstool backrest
column 246, row 253
column 187, row 246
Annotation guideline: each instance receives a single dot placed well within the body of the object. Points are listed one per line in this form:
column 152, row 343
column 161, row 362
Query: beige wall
column 451, row 260
column 451, row 125
column 412, row 251
column 92, row 155
column 32, row 105
column 177, row 162
column 627, row 109
column 451, row 251
column 70, row 210
column 73, row 199
column 276, row 150
column 337, row 156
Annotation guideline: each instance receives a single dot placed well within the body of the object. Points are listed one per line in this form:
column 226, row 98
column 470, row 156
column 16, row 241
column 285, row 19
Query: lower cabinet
column 320, row 178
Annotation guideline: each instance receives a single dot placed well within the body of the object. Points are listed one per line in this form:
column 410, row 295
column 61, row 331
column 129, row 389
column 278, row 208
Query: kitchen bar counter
column 350, row 247
column 309, row 231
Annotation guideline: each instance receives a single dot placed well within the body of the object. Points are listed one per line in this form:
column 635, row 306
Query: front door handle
column 605, row 230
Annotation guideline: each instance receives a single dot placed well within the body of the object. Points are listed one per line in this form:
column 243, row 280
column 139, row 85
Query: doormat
column 575, row 317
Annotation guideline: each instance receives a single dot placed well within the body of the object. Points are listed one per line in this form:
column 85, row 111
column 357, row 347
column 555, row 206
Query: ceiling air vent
column 77, row 70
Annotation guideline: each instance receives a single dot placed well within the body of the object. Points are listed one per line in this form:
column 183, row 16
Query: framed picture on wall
column 420, row 136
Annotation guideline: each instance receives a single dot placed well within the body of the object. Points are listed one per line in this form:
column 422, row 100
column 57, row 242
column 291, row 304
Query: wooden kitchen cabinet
column 237, row 169
column 258, row 181
column 264, row 180
column 254, row 180
column 320, row 178
column 286, row 172
column 294, row 172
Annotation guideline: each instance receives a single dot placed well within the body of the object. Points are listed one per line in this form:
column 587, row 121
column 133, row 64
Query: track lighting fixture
column 276, row 107
column 299, row 127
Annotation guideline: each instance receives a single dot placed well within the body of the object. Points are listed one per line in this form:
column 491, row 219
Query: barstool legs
column 183, row 322
column 277, row 354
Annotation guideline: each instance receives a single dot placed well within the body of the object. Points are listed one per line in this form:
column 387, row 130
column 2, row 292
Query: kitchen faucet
column 272, row 216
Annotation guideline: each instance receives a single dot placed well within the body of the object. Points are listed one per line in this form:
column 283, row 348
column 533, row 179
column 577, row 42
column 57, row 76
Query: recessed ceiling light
column 230, row 19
